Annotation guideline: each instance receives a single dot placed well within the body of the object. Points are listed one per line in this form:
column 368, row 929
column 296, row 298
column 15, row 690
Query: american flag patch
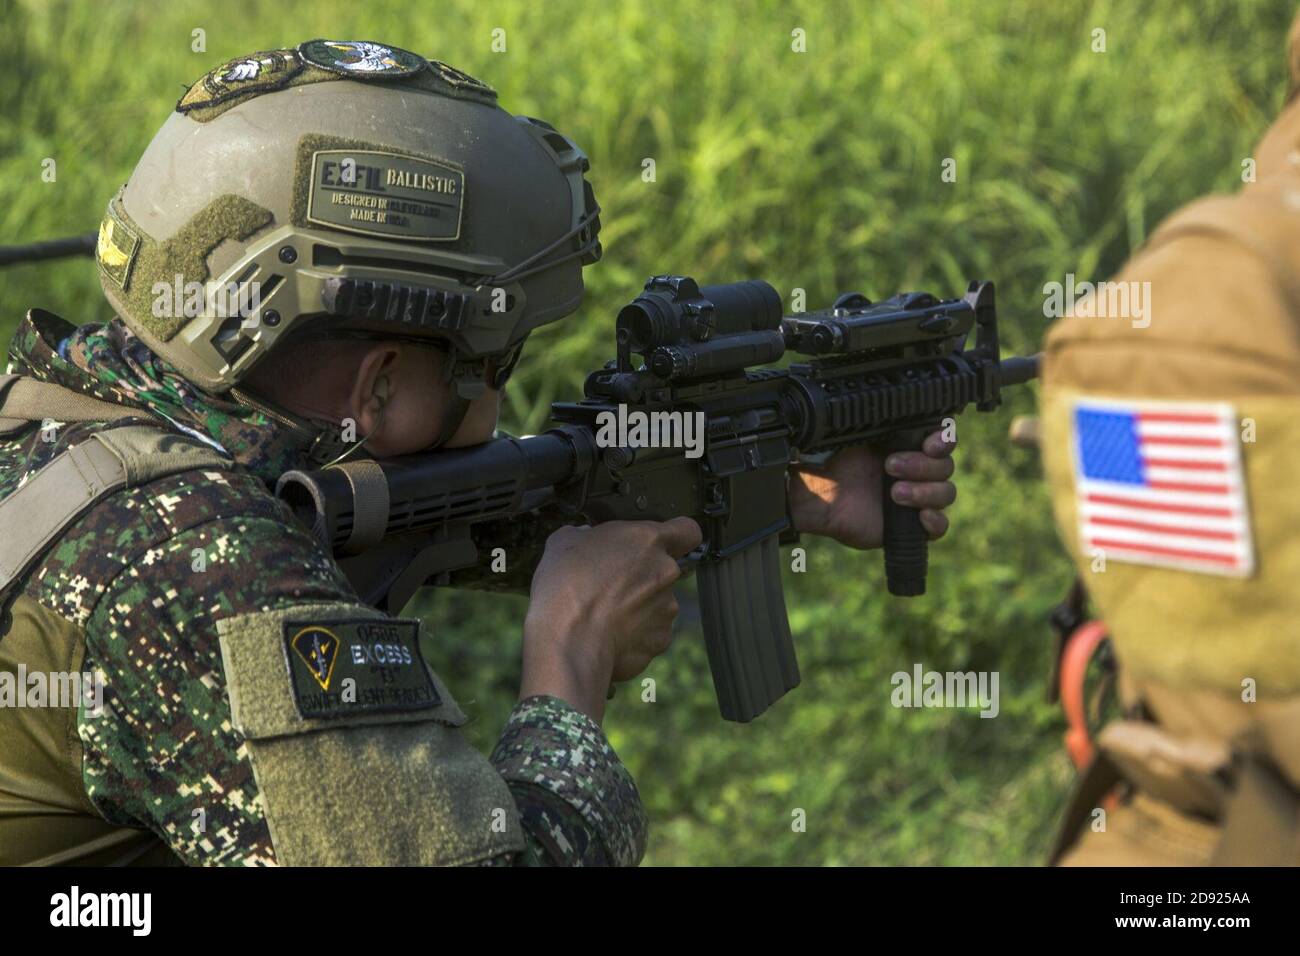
column 1161, row 483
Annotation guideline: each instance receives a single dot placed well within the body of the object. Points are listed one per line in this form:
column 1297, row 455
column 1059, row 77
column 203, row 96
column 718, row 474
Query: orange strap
column 1078, row 651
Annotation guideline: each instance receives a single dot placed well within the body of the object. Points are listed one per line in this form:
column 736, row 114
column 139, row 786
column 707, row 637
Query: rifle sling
column 24, row 400
column 369, row 504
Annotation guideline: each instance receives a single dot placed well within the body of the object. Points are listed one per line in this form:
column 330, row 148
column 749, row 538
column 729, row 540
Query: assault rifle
column 883, row 374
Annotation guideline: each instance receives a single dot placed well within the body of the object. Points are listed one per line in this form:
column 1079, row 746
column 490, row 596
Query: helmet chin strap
column 468, row 379
column 453, row 419
column 381, row 396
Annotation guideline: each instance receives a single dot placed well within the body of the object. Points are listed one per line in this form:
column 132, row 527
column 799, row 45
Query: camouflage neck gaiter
column 109, row 362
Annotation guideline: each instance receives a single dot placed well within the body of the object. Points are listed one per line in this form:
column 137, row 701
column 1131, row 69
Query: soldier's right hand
column 602, row 607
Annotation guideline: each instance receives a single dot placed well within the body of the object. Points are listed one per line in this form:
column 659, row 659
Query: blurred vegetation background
column 817, row 170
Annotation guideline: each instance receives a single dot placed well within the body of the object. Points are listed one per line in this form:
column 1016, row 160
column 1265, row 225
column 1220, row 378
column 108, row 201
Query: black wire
column 83, row 245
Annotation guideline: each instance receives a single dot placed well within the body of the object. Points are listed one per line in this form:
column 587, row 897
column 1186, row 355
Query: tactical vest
column 45, row 816
column 1210, row 664
column 448, row 803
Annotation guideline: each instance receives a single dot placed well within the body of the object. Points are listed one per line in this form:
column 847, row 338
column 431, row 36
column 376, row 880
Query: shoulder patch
column 342, row 668
column 362, row 59
column 1161, row 483
column 116, row 247
column 255, row 73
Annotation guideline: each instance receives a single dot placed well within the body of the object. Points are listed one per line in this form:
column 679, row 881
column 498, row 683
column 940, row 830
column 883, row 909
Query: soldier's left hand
column 843, row 499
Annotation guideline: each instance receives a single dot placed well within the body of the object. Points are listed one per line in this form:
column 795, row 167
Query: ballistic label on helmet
column 385, row 194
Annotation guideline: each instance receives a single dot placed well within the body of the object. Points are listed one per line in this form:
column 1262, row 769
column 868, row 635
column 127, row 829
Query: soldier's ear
column 371, row 388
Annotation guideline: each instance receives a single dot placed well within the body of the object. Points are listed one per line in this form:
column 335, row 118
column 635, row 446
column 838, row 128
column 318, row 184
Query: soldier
column 1170, row 443
column 390, row 236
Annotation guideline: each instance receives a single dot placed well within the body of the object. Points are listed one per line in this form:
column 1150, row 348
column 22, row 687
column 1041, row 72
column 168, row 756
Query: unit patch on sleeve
column 344, row 668
column 1161, row 483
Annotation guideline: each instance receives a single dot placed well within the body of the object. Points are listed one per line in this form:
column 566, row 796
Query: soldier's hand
column 602, row 607
column 843, row 501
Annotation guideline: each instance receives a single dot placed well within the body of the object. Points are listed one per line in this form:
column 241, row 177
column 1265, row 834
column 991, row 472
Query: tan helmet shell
column 522, row 191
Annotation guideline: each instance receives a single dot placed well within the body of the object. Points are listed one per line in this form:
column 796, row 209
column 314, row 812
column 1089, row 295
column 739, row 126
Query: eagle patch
column 361, row 59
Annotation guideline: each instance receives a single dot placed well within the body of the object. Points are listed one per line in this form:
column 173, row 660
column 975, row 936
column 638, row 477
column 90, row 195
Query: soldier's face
column 419, row 402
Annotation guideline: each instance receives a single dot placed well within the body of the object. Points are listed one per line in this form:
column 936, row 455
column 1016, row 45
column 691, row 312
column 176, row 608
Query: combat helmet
column 346, row 184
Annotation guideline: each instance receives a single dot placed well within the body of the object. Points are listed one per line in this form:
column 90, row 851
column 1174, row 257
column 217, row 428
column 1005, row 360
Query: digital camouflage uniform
column 190, row 593
column 123, row 576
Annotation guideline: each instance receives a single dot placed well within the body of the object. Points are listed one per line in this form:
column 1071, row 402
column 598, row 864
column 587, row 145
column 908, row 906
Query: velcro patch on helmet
column 362, row 59
column 315, row 61
column 116, row 248
column 255, row 73
column 459, row 78
column 378, row 193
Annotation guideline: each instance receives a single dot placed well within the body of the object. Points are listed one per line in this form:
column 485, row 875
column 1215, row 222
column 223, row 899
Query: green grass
column 818, row 171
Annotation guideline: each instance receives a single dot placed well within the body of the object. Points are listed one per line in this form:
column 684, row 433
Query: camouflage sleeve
column 148, row 573
column 578, row 803
column 163, row 754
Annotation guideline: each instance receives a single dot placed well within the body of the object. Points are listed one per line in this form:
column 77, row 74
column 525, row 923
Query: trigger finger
column 680, row 536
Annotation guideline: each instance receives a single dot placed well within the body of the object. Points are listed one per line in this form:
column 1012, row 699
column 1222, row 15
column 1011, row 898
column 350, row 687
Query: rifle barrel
column 1018, row 370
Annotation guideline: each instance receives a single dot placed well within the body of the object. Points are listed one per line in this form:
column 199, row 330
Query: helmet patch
column 116, row 248
column 362, row 59
column 459, row 78
column 255, row 73
column 378, row 193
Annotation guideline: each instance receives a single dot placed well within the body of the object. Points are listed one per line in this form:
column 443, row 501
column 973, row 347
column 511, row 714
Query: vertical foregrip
column 746, row 632
column 906, row 545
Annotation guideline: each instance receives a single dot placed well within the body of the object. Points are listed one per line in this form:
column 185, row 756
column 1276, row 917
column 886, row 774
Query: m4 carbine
column 882, row 374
